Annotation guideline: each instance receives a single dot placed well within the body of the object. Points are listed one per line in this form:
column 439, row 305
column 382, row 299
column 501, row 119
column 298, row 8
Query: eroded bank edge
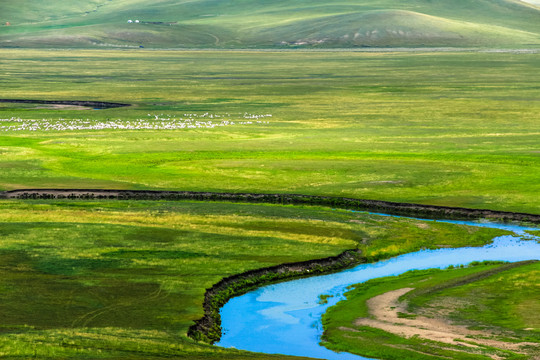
column 208, row 328
column 386, row 207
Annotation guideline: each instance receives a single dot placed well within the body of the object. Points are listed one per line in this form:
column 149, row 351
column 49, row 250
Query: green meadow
column 444, row 128
column 125, row 279
column 487, row 301
column 414, row 101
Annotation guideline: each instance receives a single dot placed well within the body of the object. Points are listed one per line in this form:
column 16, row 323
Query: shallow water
column 285, row 318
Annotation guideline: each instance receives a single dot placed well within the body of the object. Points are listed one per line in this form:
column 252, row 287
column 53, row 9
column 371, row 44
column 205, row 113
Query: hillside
column 269, row 24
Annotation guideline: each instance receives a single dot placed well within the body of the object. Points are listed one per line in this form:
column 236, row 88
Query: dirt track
column 385, row 309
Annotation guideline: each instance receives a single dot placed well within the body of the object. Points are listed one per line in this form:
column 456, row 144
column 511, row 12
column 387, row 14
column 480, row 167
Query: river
column 285, row 318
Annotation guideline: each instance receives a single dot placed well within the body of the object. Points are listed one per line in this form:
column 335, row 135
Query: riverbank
column 208, row 328
column 484, row 310
column 376, row 206
column 286, row 316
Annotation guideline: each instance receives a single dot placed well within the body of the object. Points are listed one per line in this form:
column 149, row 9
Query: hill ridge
column 279, row 24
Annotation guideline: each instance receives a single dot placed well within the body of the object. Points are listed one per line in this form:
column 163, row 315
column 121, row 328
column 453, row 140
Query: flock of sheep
column 154, row 122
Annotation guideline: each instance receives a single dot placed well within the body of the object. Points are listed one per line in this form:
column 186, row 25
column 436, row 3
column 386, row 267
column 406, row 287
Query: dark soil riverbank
column 387, row 207
column 90, row 104
column 208, row 328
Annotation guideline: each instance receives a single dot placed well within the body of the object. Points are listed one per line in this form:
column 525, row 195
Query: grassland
column 125, row 279
column 262, row 24
column 457, row 129
column 483, row 311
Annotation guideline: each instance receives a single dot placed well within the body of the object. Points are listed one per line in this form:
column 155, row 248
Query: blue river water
column 285, row 318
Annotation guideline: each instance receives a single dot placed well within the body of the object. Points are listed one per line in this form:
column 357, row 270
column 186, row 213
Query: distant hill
column 269, row 23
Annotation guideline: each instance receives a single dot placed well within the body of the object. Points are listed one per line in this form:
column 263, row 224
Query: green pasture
column 501, row 300
column 456, row 129
column 125, row 279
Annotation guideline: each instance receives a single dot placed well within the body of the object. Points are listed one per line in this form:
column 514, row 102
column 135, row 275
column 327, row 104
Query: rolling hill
column 269, row 24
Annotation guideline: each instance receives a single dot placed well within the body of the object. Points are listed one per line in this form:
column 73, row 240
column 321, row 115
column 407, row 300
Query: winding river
column 285, row 318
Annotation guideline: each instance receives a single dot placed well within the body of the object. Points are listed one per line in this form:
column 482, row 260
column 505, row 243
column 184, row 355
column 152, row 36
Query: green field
column 125, row 279
column 269, row 24
column 456, row 129
column 491, row 310
column 121, row 279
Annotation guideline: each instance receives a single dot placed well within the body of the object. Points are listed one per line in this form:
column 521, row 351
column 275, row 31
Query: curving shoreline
column 287, row 317
column 387, row 207
column 208, row 328
column 92, row 104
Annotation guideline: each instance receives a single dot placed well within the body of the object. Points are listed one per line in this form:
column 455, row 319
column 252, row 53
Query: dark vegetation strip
column 208, row 328
column 387, row 207
column 92, row 104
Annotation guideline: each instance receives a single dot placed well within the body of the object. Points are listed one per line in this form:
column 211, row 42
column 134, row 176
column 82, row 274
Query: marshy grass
column 116, row 279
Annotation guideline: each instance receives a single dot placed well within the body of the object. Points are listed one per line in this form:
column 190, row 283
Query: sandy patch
column 385, row 308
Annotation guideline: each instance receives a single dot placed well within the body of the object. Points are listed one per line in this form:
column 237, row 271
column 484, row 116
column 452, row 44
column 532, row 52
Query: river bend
column 285, row 318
